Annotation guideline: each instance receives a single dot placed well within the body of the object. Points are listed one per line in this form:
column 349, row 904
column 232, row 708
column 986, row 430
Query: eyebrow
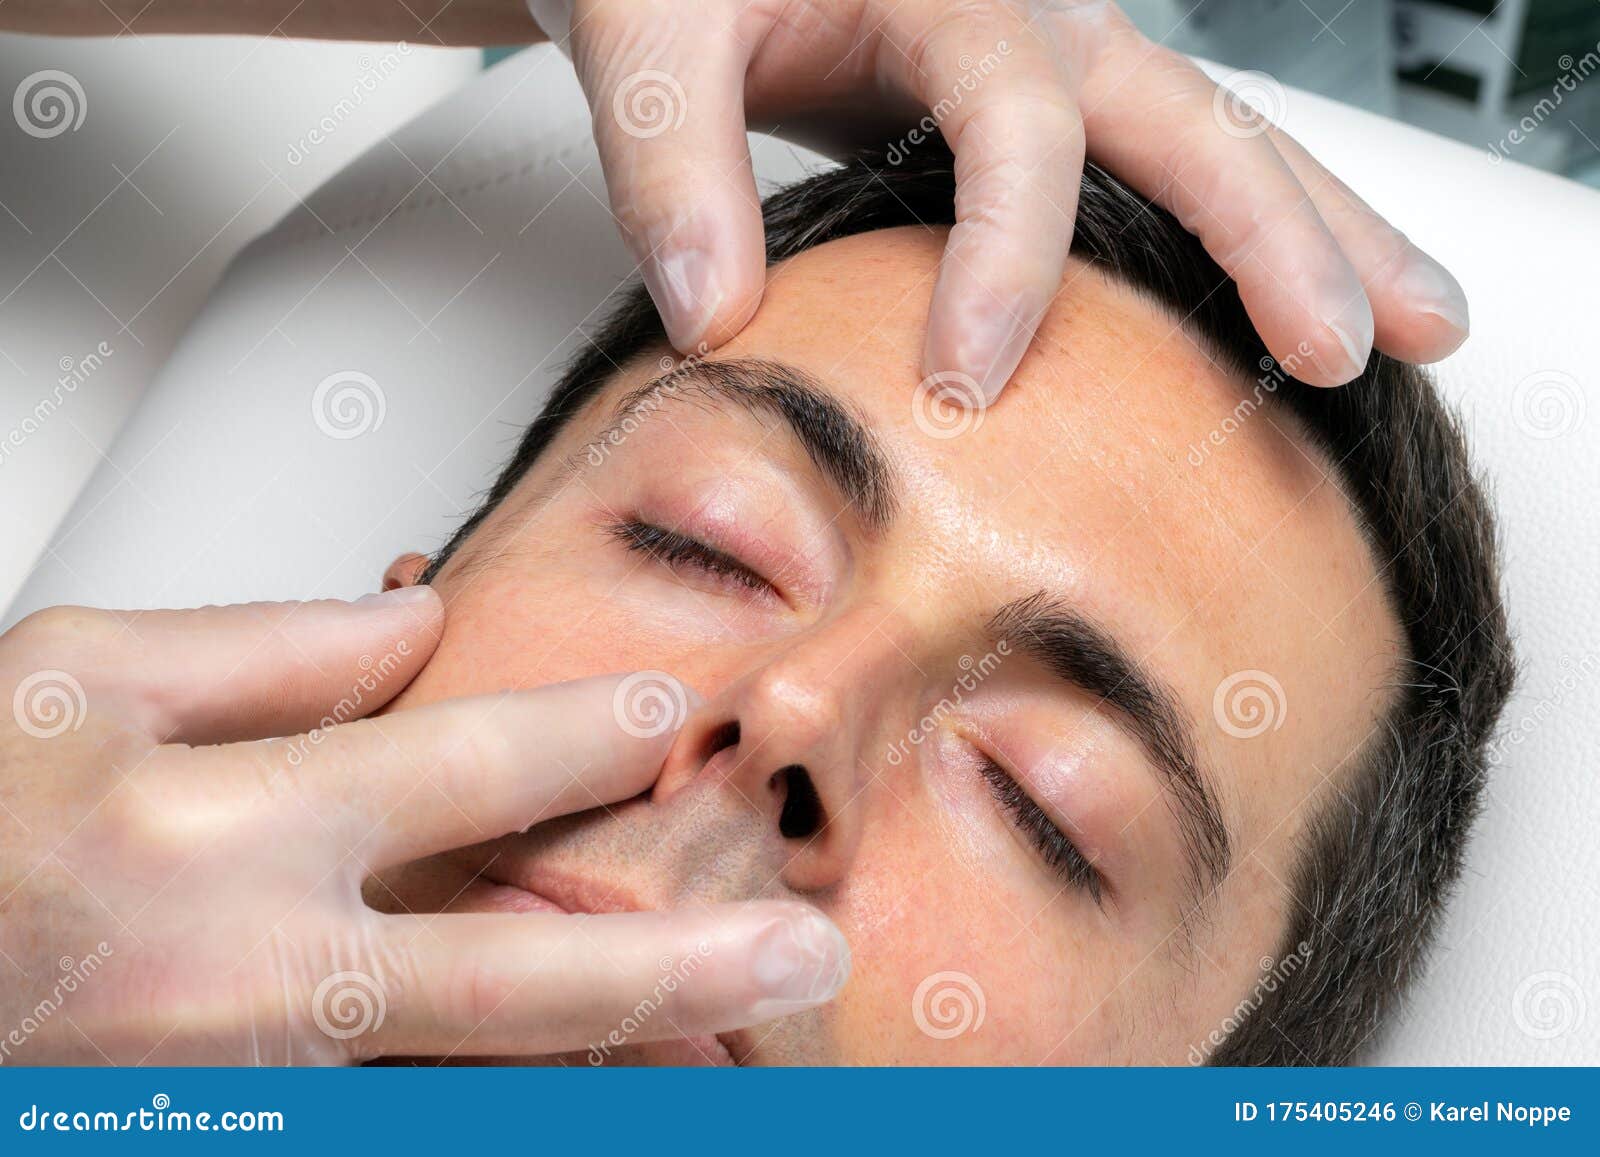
column 1081, row 652
column 1060, row 638
column 839, row 443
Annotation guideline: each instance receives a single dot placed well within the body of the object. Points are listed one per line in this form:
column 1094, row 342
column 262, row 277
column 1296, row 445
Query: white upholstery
column 458, row 295
column 117, row 230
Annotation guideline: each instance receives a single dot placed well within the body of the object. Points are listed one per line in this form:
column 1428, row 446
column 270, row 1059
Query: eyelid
column 745, row 508
column 1044, row 835
column 675, row 549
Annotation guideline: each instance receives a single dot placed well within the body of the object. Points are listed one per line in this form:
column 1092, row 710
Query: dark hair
column 1382, row 853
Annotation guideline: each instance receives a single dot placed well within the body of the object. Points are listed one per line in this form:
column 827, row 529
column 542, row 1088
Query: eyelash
column 1060, row 853
column 680, row 552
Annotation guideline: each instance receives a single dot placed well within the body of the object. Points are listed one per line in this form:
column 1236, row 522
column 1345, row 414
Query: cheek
column 571, row 608
column 526, row 627
column 936, row 944
column 938, row 935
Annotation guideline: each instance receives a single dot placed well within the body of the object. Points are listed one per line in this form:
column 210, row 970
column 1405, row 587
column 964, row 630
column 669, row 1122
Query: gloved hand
column 1021, row 91
column 176, row 889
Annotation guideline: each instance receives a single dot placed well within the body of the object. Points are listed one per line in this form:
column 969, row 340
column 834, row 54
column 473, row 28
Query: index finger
column 1159, row 123
column 677, row 166
column 458, row 772
column 1018, row 143
column 519, row 984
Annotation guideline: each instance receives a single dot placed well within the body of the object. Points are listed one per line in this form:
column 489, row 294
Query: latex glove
column 163, row 900
column 1019, row 92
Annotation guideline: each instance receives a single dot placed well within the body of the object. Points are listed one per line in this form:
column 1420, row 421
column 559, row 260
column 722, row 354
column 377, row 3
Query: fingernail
column 1352, row 328
column 799, row 963
column 399, row 597
column 684, row 286
column 1428, row 286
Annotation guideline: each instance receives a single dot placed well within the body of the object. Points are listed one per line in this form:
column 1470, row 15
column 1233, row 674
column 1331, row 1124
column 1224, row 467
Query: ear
column 405, row 571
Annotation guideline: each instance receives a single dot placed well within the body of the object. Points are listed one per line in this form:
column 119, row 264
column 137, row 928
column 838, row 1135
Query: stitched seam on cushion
column 308, row 228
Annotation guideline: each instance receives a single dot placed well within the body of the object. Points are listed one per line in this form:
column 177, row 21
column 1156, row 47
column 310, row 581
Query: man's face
column 979, row 707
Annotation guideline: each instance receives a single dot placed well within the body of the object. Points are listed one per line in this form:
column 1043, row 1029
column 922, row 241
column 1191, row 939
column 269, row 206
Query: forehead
column 1118, row 470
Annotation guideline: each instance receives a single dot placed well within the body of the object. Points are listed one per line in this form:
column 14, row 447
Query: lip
column 569, row 895
column 572, row 895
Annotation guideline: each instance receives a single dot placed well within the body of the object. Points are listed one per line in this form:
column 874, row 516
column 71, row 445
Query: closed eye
column 1060, row 854
column 680, row 552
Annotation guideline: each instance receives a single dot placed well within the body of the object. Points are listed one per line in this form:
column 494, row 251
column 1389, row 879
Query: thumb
column 671, row 135
column 223, row 674
column 530, row 984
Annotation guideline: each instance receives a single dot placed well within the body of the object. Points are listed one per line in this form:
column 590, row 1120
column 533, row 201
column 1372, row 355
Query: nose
column 793, row 737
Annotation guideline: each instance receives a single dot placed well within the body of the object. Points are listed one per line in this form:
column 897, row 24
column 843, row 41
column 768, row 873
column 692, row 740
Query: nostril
column 722, row 738
column 801, row 817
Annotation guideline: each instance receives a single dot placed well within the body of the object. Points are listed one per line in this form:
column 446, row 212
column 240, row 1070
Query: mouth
column 526, row 888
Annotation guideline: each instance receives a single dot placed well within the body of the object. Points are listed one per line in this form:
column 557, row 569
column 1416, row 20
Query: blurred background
column 1508, row 77
column 133, row 168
